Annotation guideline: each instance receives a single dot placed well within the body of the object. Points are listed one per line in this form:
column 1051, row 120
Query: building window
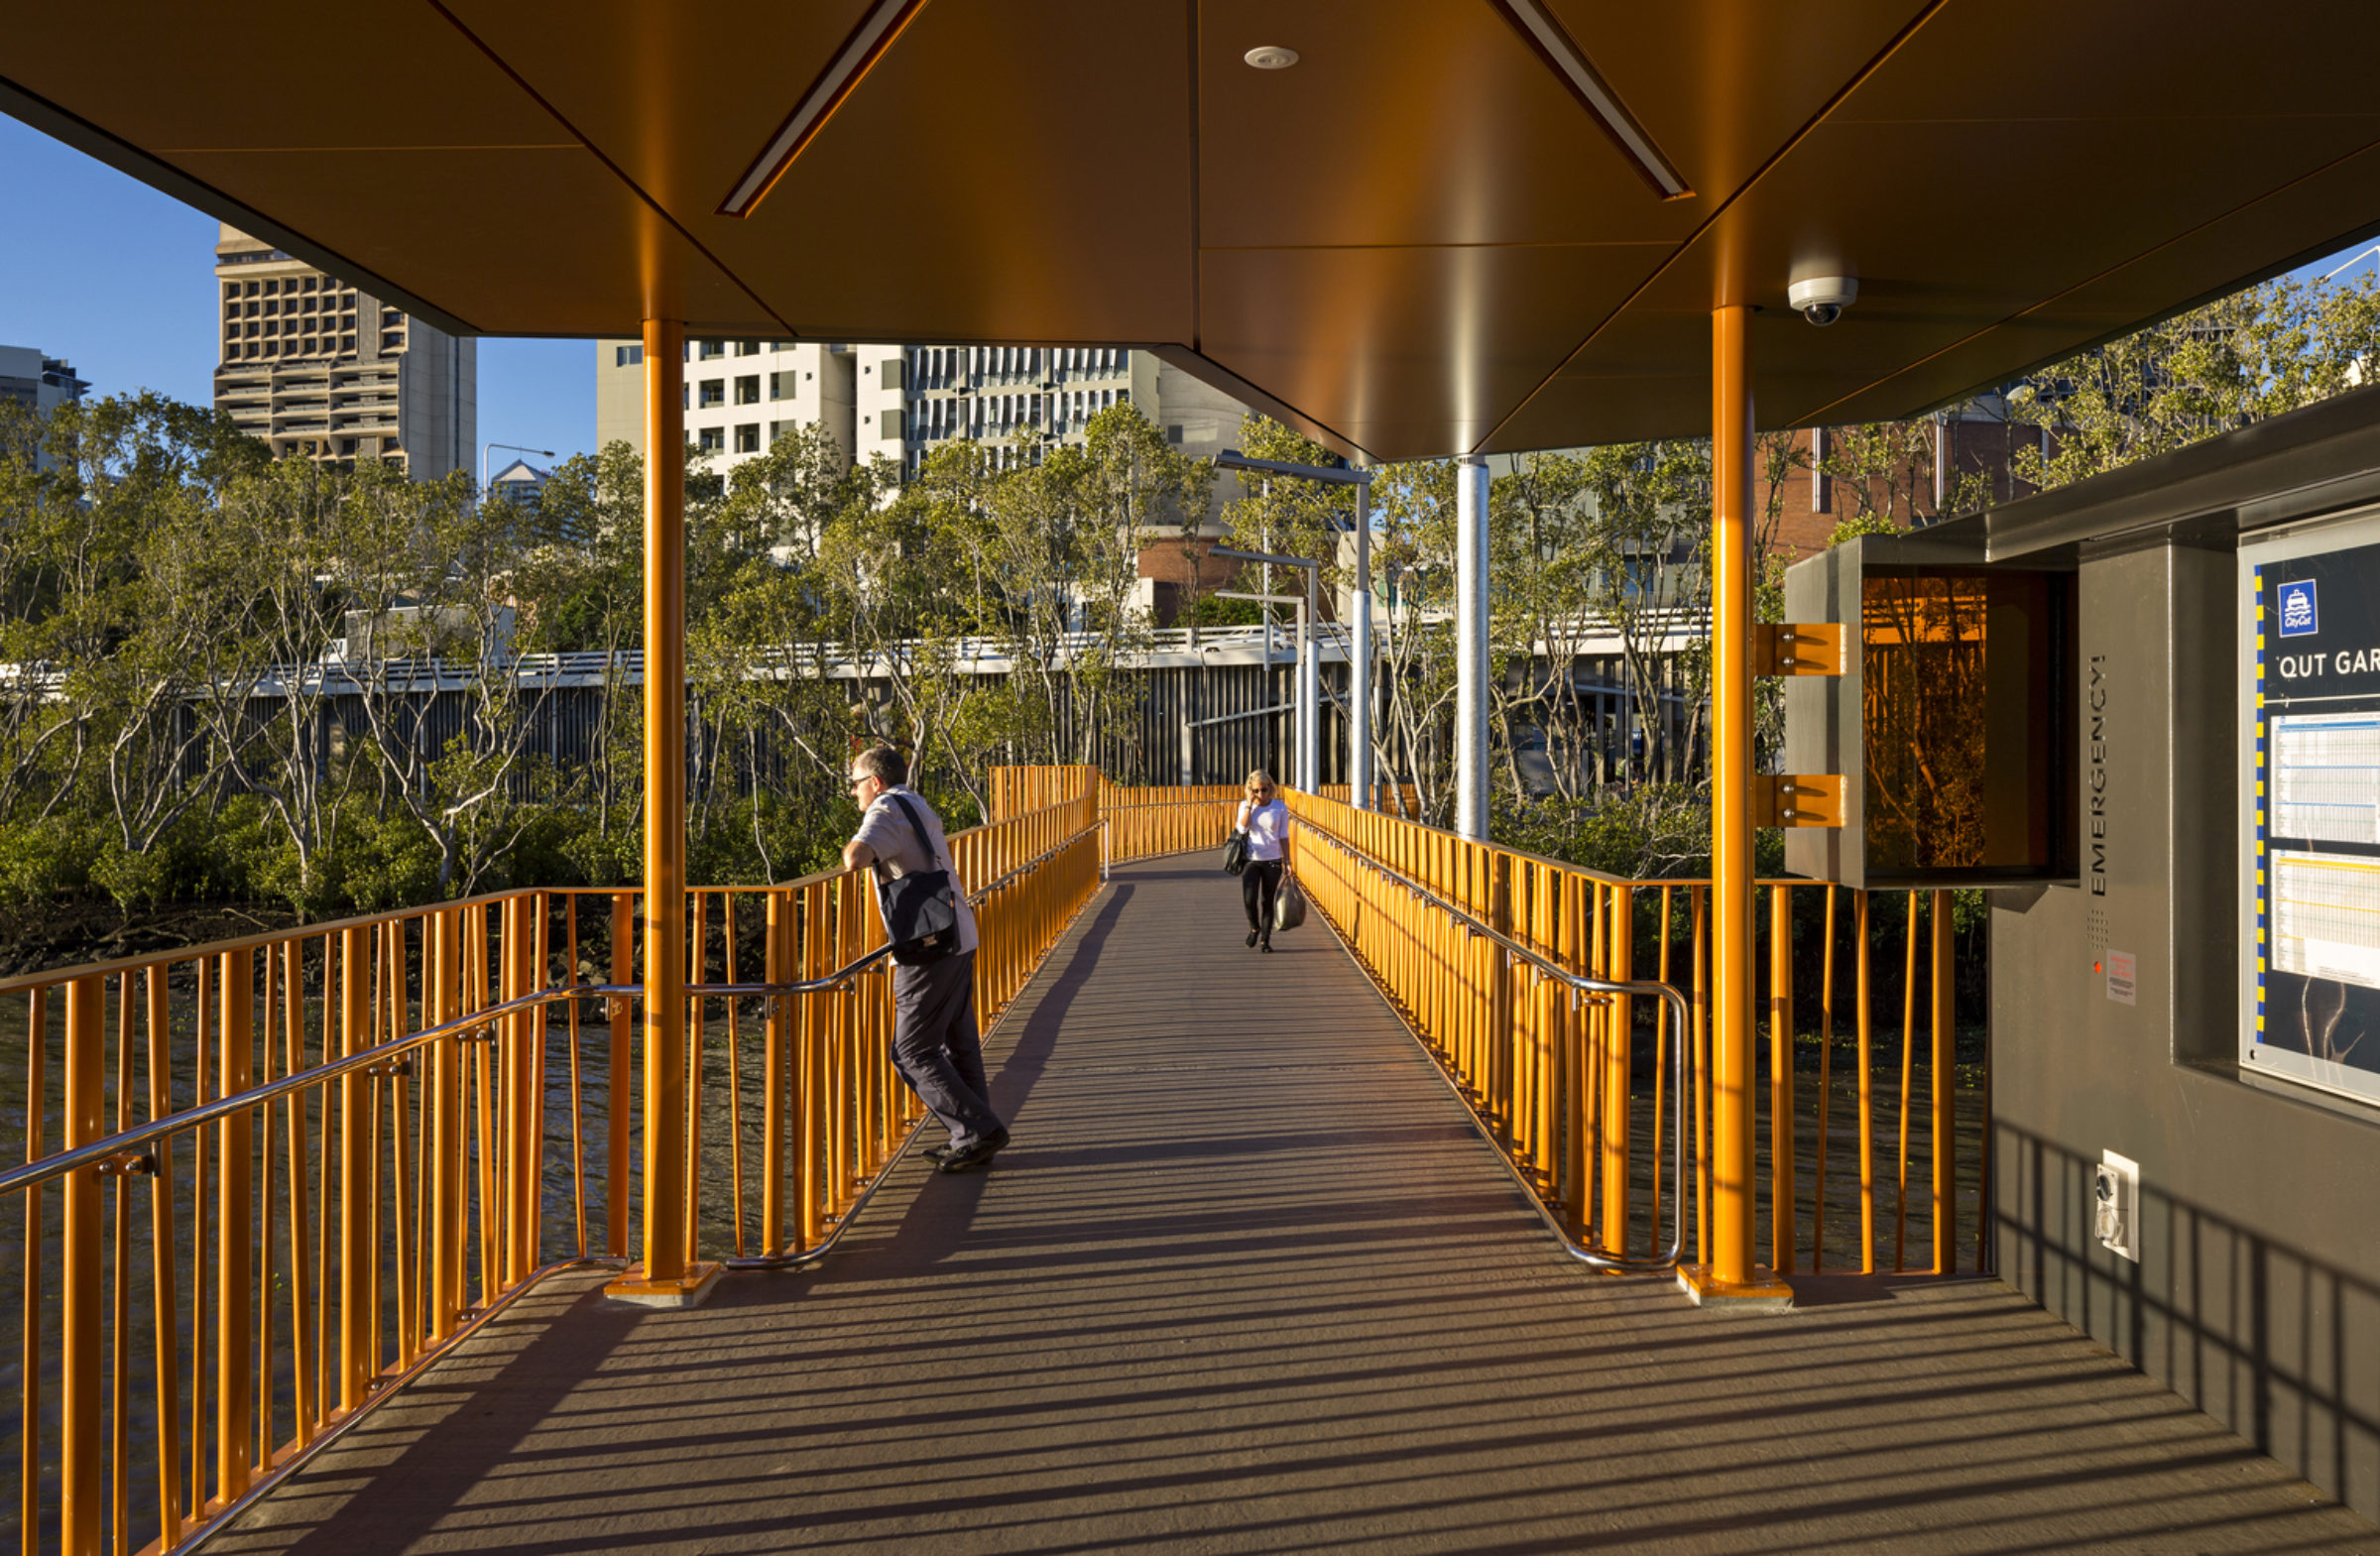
column 748, row 348
column 628, row 357
column 747, row 438
column 712, row 349
column 714, row 393
column 748, row 389
column 781, row 386
column 711, row 439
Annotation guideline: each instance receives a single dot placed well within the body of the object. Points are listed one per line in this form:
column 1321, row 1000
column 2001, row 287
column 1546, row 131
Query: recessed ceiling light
column 1271, row 57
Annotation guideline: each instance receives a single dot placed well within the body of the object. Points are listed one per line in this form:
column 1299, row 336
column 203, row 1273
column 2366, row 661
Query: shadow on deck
column 1248, row 1281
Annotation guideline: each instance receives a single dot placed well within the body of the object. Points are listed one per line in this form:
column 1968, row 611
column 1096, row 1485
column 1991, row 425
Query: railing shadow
column 2258, row 1334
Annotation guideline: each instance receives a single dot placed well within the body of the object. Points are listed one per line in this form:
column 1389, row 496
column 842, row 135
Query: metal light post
column 1308, row 725
column 1359, row 688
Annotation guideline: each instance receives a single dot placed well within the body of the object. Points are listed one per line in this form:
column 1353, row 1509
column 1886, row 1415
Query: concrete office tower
column 740, row 395
column 36, row 382
column 315, row 367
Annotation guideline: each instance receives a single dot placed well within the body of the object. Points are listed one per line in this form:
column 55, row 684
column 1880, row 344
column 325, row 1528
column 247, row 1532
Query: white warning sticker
column 2120, row 984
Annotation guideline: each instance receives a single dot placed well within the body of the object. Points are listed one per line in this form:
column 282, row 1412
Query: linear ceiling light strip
column 1554, row 45
column 866, row 43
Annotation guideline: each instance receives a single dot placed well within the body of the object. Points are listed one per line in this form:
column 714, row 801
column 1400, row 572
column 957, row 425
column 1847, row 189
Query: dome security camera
column 1821, row 299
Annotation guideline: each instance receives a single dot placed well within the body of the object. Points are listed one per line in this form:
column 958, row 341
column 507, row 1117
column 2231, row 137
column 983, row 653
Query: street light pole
column 1307, row 721
column 1359, row 693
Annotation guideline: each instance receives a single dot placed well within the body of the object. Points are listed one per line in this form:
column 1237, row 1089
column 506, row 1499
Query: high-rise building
column 900, row 402
column 315, row 367
column 740, row 395
column 519, row 483
column 38, row 382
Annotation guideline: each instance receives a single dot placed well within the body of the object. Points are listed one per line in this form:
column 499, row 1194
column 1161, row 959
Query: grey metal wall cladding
column 2257, row 1292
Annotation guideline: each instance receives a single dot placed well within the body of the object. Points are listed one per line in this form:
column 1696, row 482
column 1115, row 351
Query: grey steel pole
column 1470, row 646
column 1358, row 677
column 1309, row 689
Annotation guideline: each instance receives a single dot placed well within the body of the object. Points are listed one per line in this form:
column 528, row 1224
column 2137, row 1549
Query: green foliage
column 44, row 858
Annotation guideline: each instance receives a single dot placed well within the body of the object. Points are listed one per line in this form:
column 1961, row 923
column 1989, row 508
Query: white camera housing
column 1821, row 299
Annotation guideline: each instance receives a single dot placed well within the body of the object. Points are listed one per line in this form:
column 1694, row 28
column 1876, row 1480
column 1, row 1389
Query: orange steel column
column 665, row 1278
column 1730, row 1274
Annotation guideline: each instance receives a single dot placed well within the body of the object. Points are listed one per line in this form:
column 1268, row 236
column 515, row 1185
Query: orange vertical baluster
column 1783, row 1197
column 357, row 1255
column 301, row 1219
column 1864, row 1016
column 162, row 1253
column 235, row 1251
column 37, row 1114
column 1900, row 1209
column 82, row 1510
column 1944, row 1080
column 1619, row 1037
column 1826, row 1082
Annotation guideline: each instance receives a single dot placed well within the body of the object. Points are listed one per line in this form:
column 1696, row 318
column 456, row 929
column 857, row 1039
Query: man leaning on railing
column 935, row 1043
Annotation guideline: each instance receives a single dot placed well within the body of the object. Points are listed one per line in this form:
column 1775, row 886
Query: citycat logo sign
column 2298, row 618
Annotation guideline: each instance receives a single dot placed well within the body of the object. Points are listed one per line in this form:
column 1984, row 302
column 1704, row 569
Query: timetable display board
column 2310, row 802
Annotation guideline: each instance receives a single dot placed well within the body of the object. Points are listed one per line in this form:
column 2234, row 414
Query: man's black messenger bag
column 921, row 908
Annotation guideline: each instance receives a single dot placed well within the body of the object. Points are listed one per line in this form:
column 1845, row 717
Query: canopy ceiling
column 1417, row 240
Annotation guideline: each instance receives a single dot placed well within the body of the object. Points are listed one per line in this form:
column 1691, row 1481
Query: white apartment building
column 313, row 367
column 899, row 402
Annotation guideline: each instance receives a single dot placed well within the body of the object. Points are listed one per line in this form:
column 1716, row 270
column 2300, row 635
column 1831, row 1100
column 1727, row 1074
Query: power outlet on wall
column 2115, row 1204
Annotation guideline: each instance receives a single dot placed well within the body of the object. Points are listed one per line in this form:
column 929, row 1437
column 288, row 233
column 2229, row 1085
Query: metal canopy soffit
column 1451, row 225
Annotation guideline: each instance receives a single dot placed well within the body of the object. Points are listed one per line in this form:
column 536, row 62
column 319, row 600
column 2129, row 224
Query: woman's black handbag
column 921, row 908
column 1235, row 853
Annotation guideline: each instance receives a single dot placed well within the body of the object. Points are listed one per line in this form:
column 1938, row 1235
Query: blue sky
column 119, row 280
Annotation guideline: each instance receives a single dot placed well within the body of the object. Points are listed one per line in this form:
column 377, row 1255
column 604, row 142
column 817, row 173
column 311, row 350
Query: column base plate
column 686, row 1290
column 1765, row 1292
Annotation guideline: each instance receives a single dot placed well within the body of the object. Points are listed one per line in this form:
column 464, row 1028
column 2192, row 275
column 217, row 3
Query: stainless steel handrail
column 1545, row 967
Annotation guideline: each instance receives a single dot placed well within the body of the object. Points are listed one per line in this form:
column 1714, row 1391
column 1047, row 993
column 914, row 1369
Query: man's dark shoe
column 975, row 1156
column 940, row 1152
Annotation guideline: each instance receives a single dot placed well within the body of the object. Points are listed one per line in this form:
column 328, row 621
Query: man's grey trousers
column 936, row 1047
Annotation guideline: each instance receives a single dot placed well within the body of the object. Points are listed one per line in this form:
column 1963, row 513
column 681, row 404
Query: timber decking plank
column 1248, row 1280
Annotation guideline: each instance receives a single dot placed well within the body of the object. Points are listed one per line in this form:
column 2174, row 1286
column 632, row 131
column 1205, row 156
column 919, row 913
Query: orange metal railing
column 1870, row 1144
column 1575, row 1096
column 267, row 1177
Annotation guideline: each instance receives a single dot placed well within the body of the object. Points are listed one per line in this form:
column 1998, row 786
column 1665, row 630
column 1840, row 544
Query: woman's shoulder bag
column 1235, row 851
column 1288, row 905
column 921, row 908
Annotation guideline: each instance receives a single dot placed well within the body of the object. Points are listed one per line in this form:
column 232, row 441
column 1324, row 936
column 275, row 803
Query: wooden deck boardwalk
column 1248, row 1281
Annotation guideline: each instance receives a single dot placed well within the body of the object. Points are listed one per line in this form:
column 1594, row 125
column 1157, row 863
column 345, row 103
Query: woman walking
column 1265, row 819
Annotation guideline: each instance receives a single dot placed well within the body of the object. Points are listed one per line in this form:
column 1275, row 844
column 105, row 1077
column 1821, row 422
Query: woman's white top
column 1266, row 824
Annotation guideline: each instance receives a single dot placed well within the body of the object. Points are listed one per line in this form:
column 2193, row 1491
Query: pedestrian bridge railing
column 1471, row 941
column 264, row 1179
column 1870, row 1129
